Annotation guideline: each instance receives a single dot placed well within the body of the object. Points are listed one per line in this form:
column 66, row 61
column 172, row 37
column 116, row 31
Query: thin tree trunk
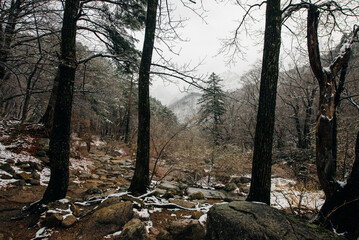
column 28, row 91
column 140, row 180
column 263, row 143
column 128, row 117
column 60, row 134
column 48, row 118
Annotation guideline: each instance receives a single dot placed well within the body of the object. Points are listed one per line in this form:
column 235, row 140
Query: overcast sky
column 205, row 40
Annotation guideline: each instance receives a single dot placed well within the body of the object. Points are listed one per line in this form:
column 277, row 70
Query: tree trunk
column 263, row 142
column 326, row 158
column 140, row 180
column 8, row 35
column 60, row 134
column 48, row 118
column 128, row 117
column 340, row 212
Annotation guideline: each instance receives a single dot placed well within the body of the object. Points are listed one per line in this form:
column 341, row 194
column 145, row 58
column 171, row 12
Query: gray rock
column 185, row 229
column 168, row 186
column 241, row 180
column 133, row 230
column 182, row 203
column 246, row 220
column 196, row 196
column 229, row 187
column 208, row 194
column 44, row 142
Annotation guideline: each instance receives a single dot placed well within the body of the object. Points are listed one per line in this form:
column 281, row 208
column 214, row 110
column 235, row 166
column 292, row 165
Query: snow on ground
column 285, row 195
column 83, row 165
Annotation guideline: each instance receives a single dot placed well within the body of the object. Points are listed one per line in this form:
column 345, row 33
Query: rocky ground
column 98, row 205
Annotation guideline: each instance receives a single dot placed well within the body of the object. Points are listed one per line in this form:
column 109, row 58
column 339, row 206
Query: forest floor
column 24, row 174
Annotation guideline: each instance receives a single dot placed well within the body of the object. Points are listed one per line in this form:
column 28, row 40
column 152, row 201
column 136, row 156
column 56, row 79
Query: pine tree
column 212, row 108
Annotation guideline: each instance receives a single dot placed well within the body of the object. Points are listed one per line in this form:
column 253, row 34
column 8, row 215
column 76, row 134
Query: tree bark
column 8, row 35
column 128, row 117
column 340, row 212
column 140, row 180
column 263, row 142
column 48, row 118
column 60, row 134
column 326, row 158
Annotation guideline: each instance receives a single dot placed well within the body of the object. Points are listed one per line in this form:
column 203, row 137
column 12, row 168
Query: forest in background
column 106, row 95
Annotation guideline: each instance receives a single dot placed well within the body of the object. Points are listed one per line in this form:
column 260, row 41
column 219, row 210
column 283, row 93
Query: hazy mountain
column 186, row 107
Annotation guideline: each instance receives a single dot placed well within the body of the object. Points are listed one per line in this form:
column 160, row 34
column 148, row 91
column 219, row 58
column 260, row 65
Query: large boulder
column 255, row 221
column 106, row 220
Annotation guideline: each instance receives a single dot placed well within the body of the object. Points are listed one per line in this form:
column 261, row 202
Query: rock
column 241, row 180
column 182, row 203
column 93, row 191
column 20, row 182
column 7, row 168
column 40, row 153
column 95, row 176
column 85, row 175
column 69, row 221
column 133, row 230
column 208, row 194
column 244, row 189
column 197, row 196
column 116, row 168
column 197, row 214
column 5, row 176
column 6, row 235
column 10, row 161
column 36, row 166
column 44, row 143
column 229, row 187
column 185, row 229
column 75, row 210
column 159, row 192
column 246, row 220
column 35, row 175
column 52, row 220
column 114, row 214
column 35, row 182
column 168, row 186
column 168, row 195
column 183, row 186
column 106, row 220
column 154, row 231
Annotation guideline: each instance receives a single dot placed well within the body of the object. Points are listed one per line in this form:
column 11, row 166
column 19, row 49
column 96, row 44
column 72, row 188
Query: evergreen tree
column 212, row 107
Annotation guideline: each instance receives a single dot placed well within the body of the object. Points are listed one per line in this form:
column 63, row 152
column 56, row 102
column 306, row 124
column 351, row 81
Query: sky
column 204, row 39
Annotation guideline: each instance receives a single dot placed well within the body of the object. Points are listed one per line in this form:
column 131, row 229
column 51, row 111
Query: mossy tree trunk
column 140, row 180
column 263, row 142
column 60, row 134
